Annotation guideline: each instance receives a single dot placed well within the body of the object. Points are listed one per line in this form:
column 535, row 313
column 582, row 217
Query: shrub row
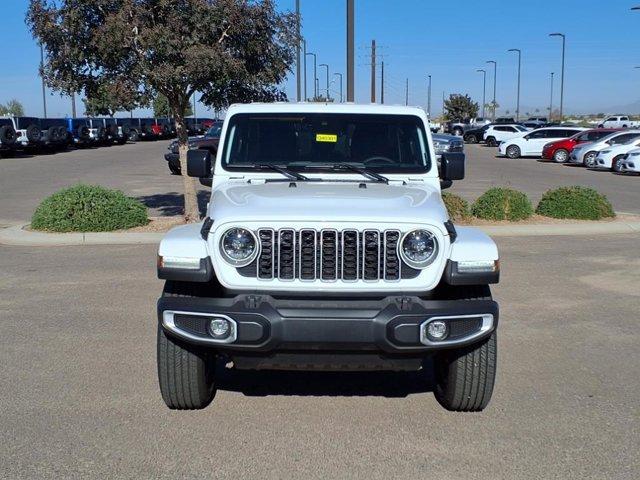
column 507, row 204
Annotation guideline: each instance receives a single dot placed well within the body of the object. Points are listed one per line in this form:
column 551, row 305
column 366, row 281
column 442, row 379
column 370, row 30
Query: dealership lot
column 78, row 350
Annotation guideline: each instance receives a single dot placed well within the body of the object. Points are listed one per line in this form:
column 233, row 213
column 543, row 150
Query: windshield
column 381, row 143
column 521, row 128
column 214, row 131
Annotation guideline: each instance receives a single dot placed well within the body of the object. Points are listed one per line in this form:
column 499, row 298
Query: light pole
column 518, row 97
column 315, row 75
column 562, row 73
column 327, row 66
column 304, row 61
column 44, row 91
column 340, row 75
column 298, row 92
column 495, row 72
column 350, row 51
column 429, row 97
column 484, row 88
column 551, row 99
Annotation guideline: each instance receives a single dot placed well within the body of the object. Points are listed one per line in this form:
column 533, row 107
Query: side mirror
column 527, row 137
column 199, row 163
column 452, row 166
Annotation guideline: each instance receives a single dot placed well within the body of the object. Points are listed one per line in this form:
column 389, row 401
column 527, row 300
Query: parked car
column 327, row 246
column 168, row 127
column 631, row 163
column 560, row 151
column 79, row 131
column 585, row 153
column 125, row 126
column 55, row 135
column 476, row 135
column 536, row 122
column 612, row 157
column 498, row 133
column 29, row 134
column 194, row 126
column 443, row 143
column 208, row 141
column 617, row 121
column 530, row 144
column 459, row 128
column 98, row 131
column 504, row 120
column 8, row 137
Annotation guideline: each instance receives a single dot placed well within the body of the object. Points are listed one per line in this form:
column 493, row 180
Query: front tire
column 465, row 377
column 588, row 158
column 513, row 151
column 616, row 164
column 471, row 139
column 561, row 155
column 491, row 142
column 185, row 372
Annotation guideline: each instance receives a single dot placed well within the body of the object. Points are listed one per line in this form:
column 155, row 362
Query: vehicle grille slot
column 286, row 251
column 350, row 254
column 371, row 255
column 329, row 254
column 307, row 246
column 265, row 260
column 391, row 260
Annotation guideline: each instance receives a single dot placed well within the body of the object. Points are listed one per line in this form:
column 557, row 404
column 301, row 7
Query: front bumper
column 266, row 325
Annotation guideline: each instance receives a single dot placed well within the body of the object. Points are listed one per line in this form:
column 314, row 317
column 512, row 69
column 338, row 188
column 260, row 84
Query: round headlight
column 239, row 246
column 418, row 248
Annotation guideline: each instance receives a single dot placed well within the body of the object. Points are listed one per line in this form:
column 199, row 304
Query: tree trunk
column 191, row 209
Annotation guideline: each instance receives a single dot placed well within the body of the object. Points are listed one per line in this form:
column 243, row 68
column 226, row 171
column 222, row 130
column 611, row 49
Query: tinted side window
column 622, row 138
column 539, row 134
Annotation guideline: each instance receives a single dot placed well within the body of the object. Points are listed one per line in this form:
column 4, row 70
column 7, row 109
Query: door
column 535, row 141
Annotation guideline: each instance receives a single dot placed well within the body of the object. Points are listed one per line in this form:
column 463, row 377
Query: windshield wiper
column 287, row 173
column 362, row 171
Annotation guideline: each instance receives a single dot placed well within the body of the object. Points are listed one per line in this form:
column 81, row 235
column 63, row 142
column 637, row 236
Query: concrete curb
column 17, row 235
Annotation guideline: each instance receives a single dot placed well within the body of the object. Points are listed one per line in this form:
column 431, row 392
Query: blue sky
column 448, row 40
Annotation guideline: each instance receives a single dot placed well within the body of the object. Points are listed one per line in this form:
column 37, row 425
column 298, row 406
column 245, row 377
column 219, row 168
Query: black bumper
column 268, row 325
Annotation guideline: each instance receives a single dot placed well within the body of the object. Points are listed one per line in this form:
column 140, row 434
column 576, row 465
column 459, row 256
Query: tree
column 459, row 107
column 492, row 107
column 107, row 98
column 228, row 50
column 13, row 108
column 161, row 107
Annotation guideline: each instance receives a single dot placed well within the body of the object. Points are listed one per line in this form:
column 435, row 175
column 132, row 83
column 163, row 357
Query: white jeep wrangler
column 327, row 246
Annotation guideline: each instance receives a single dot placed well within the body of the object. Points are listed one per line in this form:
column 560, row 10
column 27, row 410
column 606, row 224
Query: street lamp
column 518, row 97
column 429, row 98
column 327, row 66
column 551, row 99
column 562, row 73
column 495, row 72
column 304, row 61
column 339, row 75
column 315, row 75
column 484, row 88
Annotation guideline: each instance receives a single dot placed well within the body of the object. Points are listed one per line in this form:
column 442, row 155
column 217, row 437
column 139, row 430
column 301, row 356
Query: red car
column 559, row 151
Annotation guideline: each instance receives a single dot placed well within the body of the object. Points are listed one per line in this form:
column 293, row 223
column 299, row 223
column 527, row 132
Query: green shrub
column 457, row 207
column 502, row 204
column 88, row 208
column 575, row 202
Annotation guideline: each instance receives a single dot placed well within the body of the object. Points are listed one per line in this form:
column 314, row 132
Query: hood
column 326, row 202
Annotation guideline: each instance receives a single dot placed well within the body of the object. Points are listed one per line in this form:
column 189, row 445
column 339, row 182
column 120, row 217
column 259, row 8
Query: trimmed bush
column 88, row 208
column 502, row 204
column 575, row 202
column 457, row 206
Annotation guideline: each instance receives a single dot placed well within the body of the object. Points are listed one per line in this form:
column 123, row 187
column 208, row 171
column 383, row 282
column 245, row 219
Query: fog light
column 437, row 330
column 219, row 328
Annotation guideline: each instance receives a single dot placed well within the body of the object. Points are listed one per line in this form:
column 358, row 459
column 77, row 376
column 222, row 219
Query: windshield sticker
column 326, row 137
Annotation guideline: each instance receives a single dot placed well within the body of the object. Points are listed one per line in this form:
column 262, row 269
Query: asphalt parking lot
column 77, row 354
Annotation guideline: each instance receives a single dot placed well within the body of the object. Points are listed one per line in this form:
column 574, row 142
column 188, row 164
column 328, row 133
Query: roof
column 308, row 107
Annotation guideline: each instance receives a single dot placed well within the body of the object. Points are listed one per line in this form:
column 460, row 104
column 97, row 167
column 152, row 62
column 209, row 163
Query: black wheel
column 561, row 155
column 513, row 151
column 616, row 164
column 491, row 141
column 133, row 136
column 589, row 158
column 457, row 132
column 175, row 170
column 470, row 139
column 185, row 372
column 465, row 377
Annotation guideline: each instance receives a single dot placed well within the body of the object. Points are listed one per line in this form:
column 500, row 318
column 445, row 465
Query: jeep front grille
column 329, row 255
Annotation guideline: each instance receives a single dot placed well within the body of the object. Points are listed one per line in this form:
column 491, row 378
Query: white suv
column 498, row 133
column 326, row 245
column 530, row 144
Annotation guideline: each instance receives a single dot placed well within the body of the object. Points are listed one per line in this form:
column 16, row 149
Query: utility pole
column 326, row 65
column 518, row 97
column 495, row 72
column 373, row 71
column 382, row 82
column 304, row 46
column 350, row 51
column 298, row 51
column 429, row 98
column 551, row 99
column 406, row 93
column 484, row 89
column 315, row 75
column 73, row 105
column 195, row 118
column 340, row 75
column 44, row 91
column 562, row 73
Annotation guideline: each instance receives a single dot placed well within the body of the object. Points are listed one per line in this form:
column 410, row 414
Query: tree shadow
column 172, row 203
column 261, row 383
